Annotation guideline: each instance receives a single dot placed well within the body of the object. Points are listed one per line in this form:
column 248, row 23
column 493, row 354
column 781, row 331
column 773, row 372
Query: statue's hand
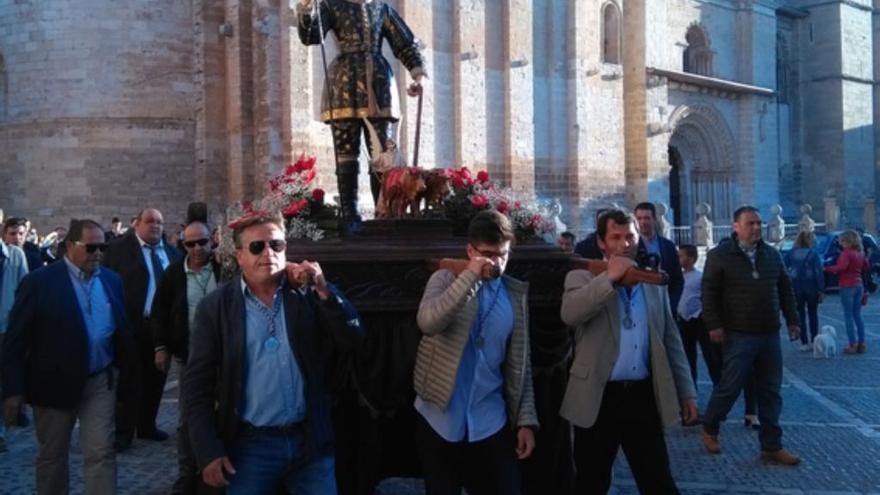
column 415, row 89
column 306, row 3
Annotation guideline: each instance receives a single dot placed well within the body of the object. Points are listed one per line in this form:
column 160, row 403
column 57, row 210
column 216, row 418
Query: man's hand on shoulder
column 617, row 267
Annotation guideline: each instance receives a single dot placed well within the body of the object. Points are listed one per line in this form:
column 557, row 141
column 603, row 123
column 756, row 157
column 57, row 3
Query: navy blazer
column 46, row 348
column 125, row 256
column 669, row 263
column 215, row 370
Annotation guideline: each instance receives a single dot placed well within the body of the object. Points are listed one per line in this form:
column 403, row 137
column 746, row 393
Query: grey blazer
column 590, row 304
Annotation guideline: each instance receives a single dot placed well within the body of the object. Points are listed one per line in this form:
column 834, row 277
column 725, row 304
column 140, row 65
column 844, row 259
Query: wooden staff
column 632, row 276
column 458, row 265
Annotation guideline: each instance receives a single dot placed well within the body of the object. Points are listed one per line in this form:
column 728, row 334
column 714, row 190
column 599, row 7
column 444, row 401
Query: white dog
column 825, row 344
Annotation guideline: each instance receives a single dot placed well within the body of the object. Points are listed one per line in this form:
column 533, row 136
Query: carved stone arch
column 707, row 154
column 611, row 33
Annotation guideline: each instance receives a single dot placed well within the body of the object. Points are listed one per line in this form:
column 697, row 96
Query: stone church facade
column 107, row 106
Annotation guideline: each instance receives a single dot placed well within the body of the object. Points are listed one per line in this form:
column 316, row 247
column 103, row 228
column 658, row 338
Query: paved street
column 831, row 417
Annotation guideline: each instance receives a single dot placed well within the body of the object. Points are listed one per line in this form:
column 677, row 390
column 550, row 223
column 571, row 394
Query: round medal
column 271, row 344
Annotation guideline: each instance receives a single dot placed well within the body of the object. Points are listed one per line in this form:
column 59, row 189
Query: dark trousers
column 760, row 356
column 627, row 418
column 694, row 332
column 140, row 414
column 347, row 139
column 808, row 305
column 486, row 467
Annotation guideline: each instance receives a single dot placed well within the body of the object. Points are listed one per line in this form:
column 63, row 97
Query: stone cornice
column 714, row 83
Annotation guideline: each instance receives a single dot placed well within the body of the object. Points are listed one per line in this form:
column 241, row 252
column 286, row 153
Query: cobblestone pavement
column 831, row 417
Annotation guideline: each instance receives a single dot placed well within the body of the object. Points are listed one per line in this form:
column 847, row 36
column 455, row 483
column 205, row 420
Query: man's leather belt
column 248, row 429
column 358, row 49
column 627, row 384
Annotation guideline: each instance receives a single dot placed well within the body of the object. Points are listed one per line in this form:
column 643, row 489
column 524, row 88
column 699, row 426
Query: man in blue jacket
column 254, row 394
column 13, row 268
column 655, row 244
column 67, row 347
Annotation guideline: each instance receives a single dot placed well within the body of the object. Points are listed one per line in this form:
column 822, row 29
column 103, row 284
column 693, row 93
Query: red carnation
column 247, row 205
column 482, row 177
column 318, row 196
column 503, row 207
column 295, row 208
column 479, row 201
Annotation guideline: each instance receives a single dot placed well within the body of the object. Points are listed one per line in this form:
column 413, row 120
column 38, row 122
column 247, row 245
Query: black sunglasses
column 192, row 244
column 257, row 247
column 91, row 248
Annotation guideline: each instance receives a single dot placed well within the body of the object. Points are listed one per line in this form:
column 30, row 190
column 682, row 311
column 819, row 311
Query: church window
column 697, row 55
column 611, row 34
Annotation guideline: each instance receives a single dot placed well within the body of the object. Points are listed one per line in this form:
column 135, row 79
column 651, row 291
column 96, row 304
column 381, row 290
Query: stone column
column 419, row 16
column 870, row 220
column 635, row 102
column 519, row 138
column 832, row 214
column 471, row 100
column 239, row 102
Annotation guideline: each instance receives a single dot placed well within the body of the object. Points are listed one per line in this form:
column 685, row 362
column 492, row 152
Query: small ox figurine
column 436, row 189
column 401, row 188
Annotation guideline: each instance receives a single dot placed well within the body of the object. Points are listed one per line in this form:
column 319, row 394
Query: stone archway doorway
column 702, row 158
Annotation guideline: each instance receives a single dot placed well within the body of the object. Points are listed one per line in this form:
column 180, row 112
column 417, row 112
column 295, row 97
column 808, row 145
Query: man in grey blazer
column 630, row 376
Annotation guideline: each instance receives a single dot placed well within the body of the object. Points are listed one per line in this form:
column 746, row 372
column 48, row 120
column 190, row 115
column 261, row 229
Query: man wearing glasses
column 140, row 260
column 183, row 285
column 68, row 351
column 473, row 377
column 259, row 351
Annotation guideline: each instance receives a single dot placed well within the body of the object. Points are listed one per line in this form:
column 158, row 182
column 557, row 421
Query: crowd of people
column 92, row 320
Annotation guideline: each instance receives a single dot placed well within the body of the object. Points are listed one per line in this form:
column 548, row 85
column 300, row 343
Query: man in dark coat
column 184, row 284
column 254, row 393
column 68, row 352
column 655, row 244
column 140, row 259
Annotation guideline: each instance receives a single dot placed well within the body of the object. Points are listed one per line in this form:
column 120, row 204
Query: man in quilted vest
column 473, row 378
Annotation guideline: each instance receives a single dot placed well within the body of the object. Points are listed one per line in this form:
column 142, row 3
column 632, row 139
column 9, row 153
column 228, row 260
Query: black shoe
column 122, row 443
column 156, row 435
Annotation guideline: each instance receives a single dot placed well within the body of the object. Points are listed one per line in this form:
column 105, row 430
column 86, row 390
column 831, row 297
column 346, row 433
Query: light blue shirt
column 97, row 315
column 13, row 268
column 690, row 305
column 151, row 281
column 273, row 383
column 633, row 358
column 476, row 409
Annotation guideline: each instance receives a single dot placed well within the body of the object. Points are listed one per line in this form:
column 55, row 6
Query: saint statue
column 358, row 81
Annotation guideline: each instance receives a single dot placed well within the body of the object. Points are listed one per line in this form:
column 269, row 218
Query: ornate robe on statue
column 359, row 80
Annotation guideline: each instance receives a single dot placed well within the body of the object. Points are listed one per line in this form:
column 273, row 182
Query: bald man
column 183, row 285
column 140, row 260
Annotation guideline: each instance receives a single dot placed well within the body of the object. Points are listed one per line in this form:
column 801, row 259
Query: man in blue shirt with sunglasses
column 68, row 351
column 254, row 393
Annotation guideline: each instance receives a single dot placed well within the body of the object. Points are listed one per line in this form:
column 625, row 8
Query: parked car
column 828, row 247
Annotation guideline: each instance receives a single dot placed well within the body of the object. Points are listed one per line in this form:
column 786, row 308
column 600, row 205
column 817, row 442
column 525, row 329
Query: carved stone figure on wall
column 776, row 225
column 358, row 81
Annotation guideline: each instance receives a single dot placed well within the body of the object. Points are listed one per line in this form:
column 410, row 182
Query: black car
column 829, row 249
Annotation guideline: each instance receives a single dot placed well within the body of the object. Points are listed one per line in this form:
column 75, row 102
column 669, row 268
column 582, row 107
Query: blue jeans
column 265, row 461
column 808, row 305
column 851, row 299
column 743, row 353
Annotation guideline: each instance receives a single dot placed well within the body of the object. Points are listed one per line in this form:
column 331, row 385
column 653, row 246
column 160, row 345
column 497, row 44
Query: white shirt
column 690, row 305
